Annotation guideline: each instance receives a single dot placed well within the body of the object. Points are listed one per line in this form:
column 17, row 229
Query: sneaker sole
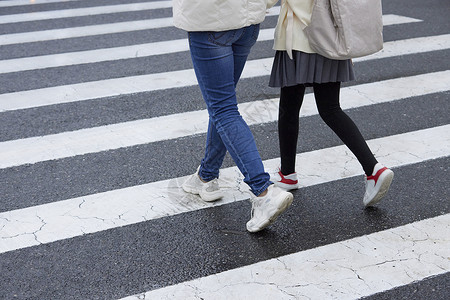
column 189, row 189
column 280, row 209
column 385, row 184
column 211, row 198
column 285, row 186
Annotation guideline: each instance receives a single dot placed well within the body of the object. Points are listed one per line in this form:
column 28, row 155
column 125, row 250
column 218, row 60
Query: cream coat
column 217, row 15
column 294, row 16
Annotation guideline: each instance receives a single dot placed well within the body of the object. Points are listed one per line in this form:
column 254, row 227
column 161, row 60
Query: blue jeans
column 218, row 59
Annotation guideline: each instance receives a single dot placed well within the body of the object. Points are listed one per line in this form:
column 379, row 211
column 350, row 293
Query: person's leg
column 218, row 59
column 241, row 49
column 291, row 99
column 327, row 100
column 378, row 178
column 215, row 149
column 213, row 58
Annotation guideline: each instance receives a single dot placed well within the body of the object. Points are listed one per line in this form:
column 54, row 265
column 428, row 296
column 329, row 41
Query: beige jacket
column 294, row 16
column 217, row 15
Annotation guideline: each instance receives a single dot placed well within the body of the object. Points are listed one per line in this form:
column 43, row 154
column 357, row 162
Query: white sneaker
column 265, row 210
column 208, row 191
column 287, row 182
column 377, row 184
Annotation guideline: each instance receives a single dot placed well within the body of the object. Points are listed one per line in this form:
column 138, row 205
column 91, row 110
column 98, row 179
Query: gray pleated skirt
column 308, row 68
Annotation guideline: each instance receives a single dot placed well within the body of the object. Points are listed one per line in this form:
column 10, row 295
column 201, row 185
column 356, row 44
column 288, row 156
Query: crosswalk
column 90, row 170
column 308, row 275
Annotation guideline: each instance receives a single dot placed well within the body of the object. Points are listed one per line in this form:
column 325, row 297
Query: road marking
column 81, row 12
column 84, row 31
column 93, row 213
column 392, row 19
column 394, row 48
column 349, row 277
column 8, row 3
column 350, row 269
column 103, row 138
column 137, row 84
column 410, row 46
column 92, row 30
column 92, row 56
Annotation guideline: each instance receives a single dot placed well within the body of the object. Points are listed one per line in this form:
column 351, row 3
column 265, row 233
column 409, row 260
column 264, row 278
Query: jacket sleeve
column 271, row 3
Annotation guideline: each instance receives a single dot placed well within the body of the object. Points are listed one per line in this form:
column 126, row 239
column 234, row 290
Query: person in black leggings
column 297, row 65
column 328, row 105
column 327, row 100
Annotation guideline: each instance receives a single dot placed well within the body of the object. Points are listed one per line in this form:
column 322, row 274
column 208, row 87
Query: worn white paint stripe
column 92, row 213
column 394, row 48
column 410, row 46
column 84, row 31
column 105, row 88
column 106, row 54
column 8, row 3
column 398, row 20
column 134, row 84
column 81, row 12
column 350, row 269
column 103, row 138
column 92, row 56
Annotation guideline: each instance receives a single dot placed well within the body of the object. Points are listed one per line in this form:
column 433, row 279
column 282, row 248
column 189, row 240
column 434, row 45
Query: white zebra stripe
column 103, row 138
column 394, row 48
column 350, row 269
column 9, row 3
column 137, row 84
column 83, row 31
column 92, row 213
column 81, row 12
column 92, row 30
column 402, row 255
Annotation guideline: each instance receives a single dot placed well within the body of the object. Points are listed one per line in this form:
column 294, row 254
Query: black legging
column 327, row 101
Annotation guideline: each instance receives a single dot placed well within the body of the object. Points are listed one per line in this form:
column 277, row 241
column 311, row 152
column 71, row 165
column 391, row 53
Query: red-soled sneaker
column 377, row 184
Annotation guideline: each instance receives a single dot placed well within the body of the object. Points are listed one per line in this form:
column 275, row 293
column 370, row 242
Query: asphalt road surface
column 101, row 120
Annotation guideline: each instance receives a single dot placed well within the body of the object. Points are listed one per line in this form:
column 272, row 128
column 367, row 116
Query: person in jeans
column 295, row 67
column 220, row 36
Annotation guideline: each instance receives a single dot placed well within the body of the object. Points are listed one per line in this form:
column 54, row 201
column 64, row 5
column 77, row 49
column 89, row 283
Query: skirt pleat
column 308, row 68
